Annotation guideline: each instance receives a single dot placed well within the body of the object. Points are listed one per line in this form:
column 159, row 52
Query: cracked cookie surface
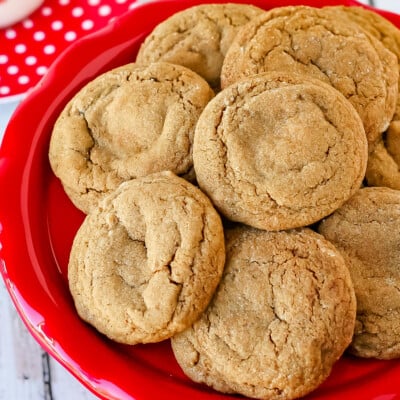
column 278, row 151
column 145, row 264
column 129, row 122
column 378, row 26
column 197, row 38
column 313, row 42
column 366, row 231
column 282, row 315
column 383, row 168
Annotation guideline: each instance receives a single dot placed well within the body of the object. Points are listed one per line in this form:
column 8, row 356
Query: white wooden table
column 26, row 371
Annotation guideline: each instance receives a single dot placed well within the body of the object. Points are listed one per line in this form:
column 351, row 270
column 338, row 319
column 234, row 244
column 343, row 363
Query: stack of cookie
column 205, row 169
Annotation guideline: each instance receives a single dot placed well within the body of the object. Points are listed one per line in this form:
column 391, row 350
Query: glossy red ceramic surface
column 38, row 223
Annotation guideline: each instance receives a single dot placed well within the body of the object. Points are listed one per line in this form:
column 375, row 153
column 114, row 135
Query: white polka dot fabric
column 28, row 48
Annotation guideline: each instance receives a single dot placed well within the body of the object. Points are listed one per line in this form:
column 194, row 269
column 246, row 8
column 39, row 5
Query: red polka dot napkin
column 29, row 47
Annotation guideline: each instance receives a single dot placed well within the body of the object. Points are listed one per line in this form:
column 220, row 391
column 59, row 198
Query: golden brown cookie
column 383, row 168
column 278, row 151
column 126, row 123
column 145, row 264
column 197, row 38
column 366, row 231
column 375, row 24
column 378, row 26
column 310, row 41
column 384, row 158
column 282, row 315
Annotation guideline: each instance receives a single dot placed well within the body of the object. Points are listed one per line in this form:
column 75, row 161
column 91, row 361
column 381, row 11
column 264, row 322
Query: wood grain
column 26, row 371
column 21, row 372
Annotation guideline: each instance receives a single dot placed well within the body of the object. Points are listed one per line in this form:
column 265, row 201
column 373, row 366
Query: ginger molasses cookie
column 310, row 41
column 378, row 26
column 197, row 38
column 372, row 22
column 384, row 157
column 145, row 264
column 366, row 231
column 279, row 151
column 383, row 168
column 282, row 315
column 127, row 123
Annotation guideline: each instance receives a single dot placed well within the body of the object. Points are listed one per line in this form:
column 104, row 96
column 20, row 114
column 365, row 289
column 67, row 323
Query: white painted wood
column 391, row 5
column 26, row 371
column 62, row 382
column 21, row 373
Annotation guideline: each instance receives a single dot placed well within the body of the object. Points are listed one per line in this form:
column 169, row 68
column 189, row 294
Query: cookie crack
column 227, row 169
column 306, row 64
column 215, row 24
column 184, row 32
column 89, row 131
column 241, row 357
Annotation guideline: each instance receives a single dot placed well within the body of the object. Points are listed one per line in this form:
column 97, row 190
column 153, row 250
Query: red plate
column 38, row 222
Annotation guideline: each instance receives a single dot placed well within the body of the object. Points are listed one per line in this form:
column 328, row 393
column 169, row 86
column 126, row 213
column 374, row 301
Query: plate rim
column 7, row 165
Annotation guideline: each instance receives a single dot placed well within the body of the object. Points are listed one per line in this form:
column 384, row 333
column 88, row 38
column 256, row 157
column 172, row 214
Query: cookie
column 278, row 151
column 282, row 315
column 378, row 26
column 127, row 123
column 392, row 141
column 197, row 38
column 374, row 23
column 383, row 168
column 366, row 231
column 145, row 263
column 384, row 159
column 310, row 41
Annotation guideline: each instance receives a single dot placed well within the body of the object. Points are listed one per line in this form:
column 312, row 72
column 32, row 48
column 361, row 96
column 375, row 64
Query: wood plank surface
column 21, row 371
column 26, row 371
